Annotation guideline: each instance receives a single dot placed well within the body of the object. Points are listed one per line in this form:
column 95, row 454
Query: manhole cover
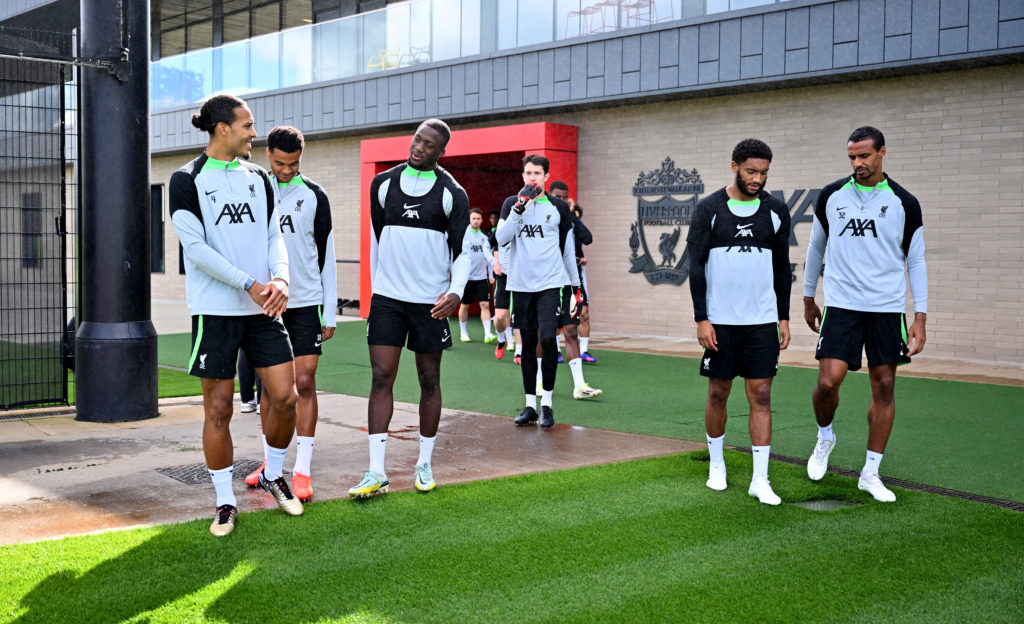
column 827, row 505
column 198, row 474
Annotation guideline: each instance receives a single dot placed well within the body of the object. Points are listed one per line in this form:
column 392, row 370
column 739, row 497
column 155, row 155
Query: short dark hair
column 537, row 159
column 440, row 127
column 476, row 211
column 285, row 138
column 494, row 213
column 219, row 108
column 751, row 148
column 868, row 132
column 558, row 184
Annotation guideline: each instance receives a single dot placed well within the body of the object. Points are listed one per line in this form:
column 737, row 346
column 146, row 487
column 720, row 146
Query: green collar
column 416, row 173
column 213, row 163
column 295, row 181
column 881, row 186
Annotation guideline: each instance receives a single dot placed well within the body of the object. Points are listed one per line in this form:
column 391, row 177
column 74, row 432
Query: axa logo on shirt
column 860, row 227
column 235, row 212
column 286, row 222
column 530, row 231
column 411, row 214
column 745, row 231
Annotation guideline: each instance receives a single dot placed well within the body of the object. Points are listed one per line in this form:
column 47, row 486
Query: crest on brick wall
column 665, row 199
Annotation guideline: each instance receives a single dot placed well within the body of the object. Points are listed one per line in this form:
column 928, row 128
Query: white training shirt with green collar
column 223, row 215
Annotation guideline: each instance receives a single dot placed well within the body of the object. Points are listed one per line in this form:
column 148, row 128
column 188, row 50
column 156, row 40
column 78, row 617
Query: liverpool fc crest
column 665, row 199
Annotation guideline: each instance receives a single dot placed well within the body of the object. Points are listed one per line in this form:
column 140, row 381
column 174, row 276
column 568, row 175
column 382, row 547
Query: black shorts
column 394, row 323
column 564, row 318
column 748, row 351
column 305, row 329
column 537, row 310
column 478, row 289
column 501, row 294
column 845, row 333
column 217, row 339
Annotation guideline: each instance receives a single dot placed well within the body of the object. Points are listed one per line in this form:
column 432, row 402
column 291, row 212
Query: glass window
column 296, row 57
column 266, row 19
column 200, row 35
column 156, row 227
column 336, row 50
column 471, row 27
column 507, row 24
column 296, row 13
column 446, row 24
column 166, row 83
column 693, row 8
column 375, row 41
column 264, row 63
column 419, row 33
column 716, row 6
column 536, row 22
column 197, row 77
column 234, row 67
column 568, row 21
column 172, row 42
column 236, row 26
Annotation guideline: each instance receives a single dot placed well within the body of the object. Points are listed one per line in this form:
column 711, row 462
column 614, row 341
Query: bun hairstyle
column 219, row 108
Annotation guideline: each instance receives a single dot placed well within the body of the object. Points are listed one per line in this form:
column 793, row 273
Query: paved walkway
column 64, row 477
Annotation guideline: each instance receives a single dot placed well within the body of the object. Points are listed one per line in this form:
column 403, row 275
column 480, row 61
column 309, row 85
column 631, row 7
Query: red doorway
column 486, row 162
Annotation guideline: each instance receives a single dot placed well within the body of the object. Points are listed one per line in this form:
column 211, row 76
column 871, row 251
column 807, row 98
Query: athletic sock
column 510, row 336
column 872, row 462
column 462, row 326
column 761, row 454
column 487, row 327
column 519, row 349
column 222, row 483
column 825, row 433
column 426, row 450
column 303, row 454
column 715, row 446
column 265, row 447
column 545, row 398
column 540, row 375
column 584, row 344
column 378, row 446
column 558, row 341
column 275, row 463
column 576, row 368
column 531, row 401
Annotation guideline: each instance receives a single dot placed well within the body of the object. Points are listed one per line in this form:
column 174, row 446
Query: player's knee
column 885, row 390
column 718, row 396
column 761, row 396
column 827, row 389
column 382, row 378
column 585, row 315
column 286, row 402
column 429, row 385
column 305, row 385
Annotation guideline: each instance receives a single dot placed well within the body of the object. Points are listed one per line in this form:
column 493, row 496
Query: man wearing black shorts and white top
column 740, row 284
column 477, row 246
column 418, row 214
column 305, row 217
column 542, row 255
column 236, row 282
column 869, row 233
column 502, row 299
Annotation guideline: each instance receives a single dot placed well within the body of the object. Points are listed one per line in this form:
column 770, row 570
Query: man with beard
column 418, row 214
column 740, row 284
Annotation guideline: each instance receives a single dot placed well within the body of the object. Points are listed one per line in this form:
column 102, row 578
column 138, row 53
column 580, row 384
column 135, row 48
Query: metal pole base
column 126, row 353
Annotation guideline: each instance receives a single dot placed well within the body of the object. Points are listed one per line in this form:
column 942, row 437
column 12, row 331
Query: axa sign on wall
column 665, row 199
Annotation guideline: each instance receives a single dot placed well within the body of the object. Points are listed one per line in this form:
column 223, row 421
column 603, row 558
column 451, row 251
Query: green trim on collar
column 213, row 163
column 881, row 186
column 735, row 203
column 295, row 181
column 543, row 199
column 416, row 173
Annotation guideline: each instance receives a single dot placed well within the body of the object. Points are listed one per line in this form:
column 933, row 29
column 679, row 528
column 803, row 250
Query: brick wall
column 955, row 140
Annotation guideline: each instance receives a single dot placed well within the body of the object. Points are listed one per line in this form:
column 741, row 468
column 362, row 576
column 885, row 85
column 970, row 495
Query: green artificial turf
column 641, row 541
column 947, row 433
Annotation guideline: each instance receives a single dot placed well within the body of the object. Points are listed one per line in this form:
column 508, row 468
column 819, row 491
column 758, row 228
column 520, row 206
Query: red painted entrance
column 486, row 162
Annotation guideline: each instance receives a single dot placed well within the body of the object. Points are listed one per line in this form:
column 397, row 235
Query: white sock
column 275, row 463
column 462, row 326
column 715, row 446
column 222, row 483
column 487, row 327
column 558, row 341
column 576, row 368
column 303, row 454
column 426, row 450
column 761, row 454
column 519, row 348
column 584, row 343
column 540, row 373
column 265, row 447
column 531, row 401
column 545, row 398
column 825, row 433
column 510, row 337
column 872, row 462
column 378, row 446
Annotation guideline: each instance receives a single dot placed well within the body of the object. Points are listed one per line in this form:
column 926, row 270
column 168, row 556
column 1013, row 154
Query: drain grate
column 827, row 504
column 198, row 474
column 906, row 485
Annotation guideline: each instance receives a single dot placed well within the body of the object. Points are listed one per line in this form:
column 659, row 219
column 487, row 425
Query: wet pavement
column 65, row 477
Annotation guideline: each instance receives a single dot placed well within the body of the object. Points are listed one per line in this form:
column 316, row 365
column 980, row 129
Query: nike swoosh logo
column 743, row 227
column 210, row 192
column 407, row 206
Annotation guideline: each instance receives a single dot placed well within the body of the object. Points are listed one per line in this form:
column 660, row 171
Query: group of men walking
column 260, row 277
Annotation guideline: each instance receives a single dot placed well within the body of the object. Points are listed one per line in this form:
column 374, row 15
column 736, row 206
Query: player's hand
column 572, row 204
column 583, row 261
column 525, row 194
column 327, row 332
column 497, row 269
column 783, row 334
column 915, row 335
column 275, row 295
column 445, row 306
column 491, row 281
column 254, row 293
column 575, row 303
column 812, row 314
column 706, row 335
